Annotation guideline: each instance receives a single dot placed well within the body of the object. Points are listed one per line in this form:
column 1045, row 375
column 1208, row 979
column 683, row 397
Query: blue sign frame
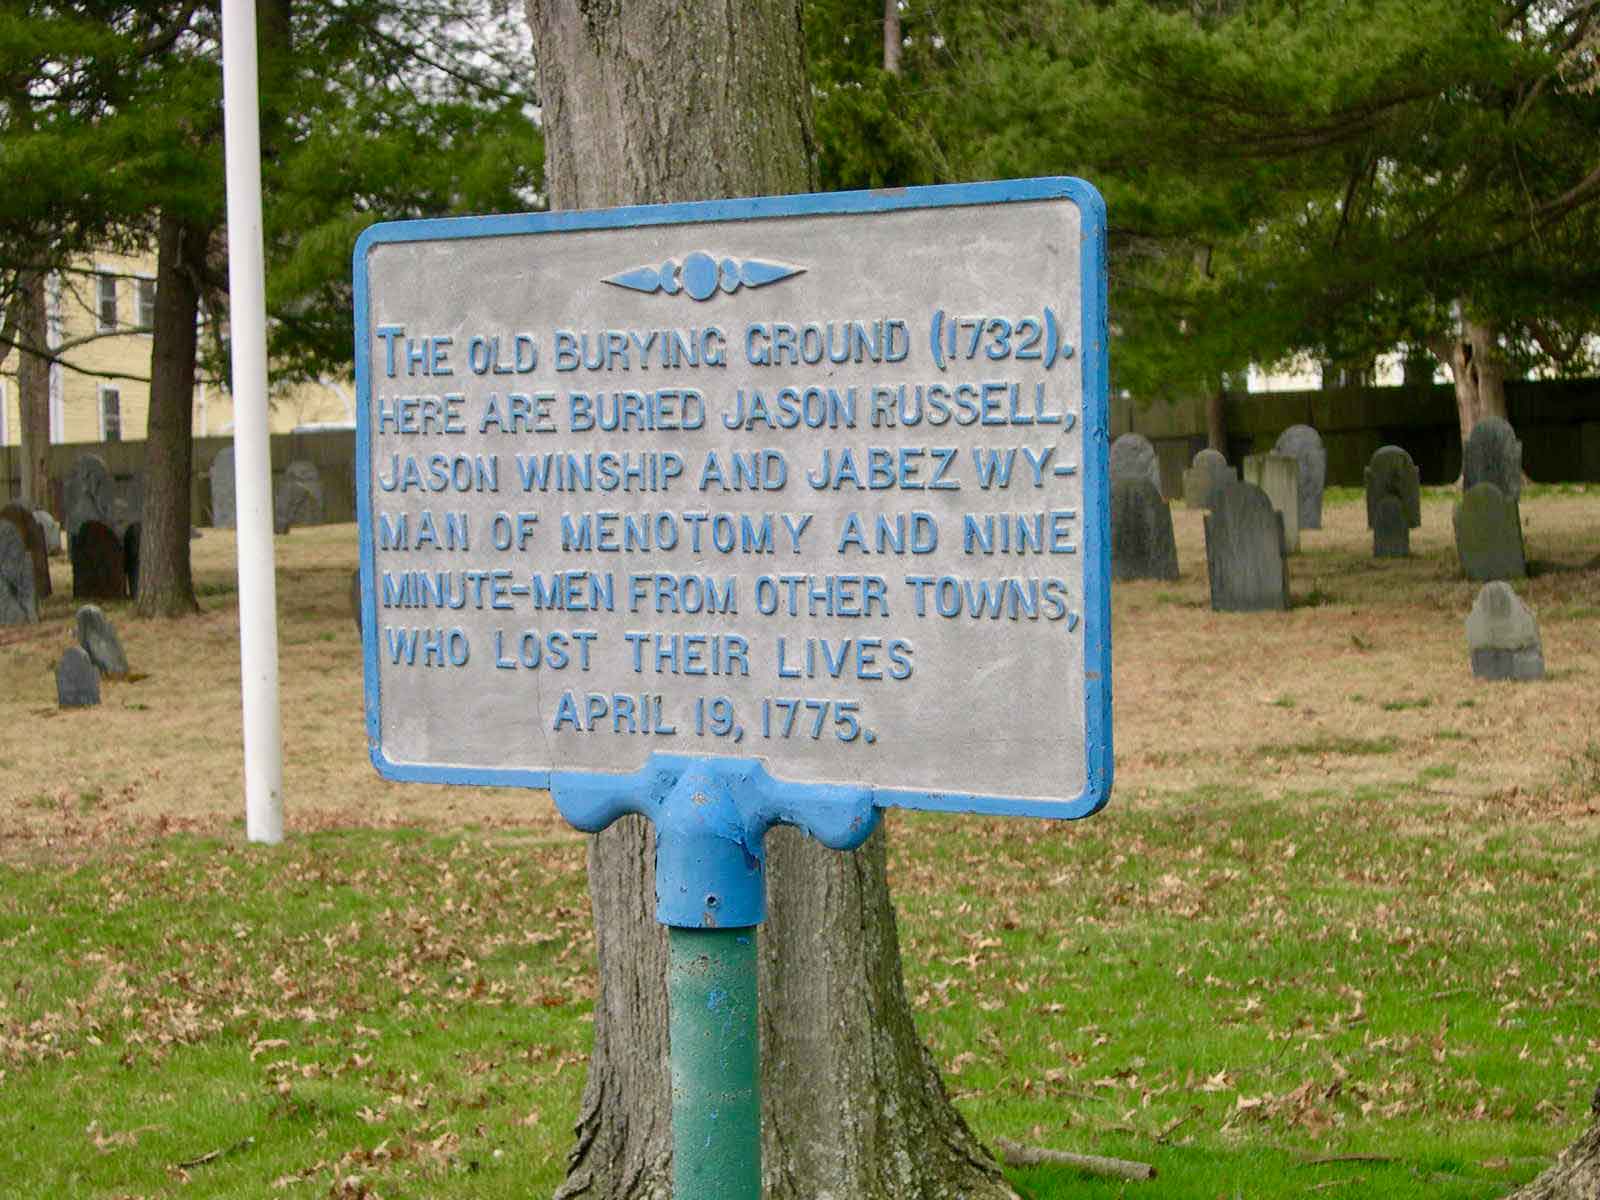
column 598, row 793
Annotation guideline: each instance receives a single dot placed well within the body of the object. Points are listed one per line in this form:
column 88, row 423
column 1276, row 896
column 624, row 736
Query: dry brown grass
column 1364, row 685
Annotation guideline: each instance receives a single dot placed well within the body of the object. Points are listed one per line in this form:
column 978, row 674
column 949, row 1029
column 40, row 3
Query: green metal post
column 716, row 1072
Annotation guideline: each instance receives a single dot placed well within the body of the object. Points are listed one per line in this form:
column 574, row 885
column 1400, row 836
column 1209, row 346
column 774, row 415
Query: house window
column 105, row 297
column 145, row 291
column 110, row 415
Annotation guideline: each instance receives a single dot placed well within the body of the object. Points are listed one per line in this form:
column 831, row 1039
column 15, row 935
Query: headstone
column 1304, row 444
column 1493, row 455
column 1133, row 457
column 1278, row 475
column 18, row 603
column 53, row 544
column 1489, row 534
column 100, row 642
column 309, row 508
column 1502, row 636
column 33, row 537
column 89, row 493
column 1245, row 552
column 130, row 555
column 77, row 680
column 1392, row 475
column 1142, row 544
column 1205, row 477
column 1391, row 534
column 223, row 512
column 97, row 564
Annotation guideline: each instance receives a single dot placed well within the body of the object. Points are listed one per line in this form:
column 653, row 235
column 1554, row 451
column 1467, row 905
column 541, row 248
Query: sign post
column 736, row 514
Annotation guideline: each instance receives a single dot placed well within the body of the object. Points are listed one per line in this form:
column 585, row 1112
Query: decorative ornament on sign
column 701, row 274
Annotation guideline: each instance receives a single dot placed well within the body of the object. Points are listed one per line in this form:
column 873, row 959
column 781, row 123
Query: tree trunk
column 891, row 36
column 677, row 101
column 33, row 390
column 1478, row 370
column 1576, row 1174
column 166, row 588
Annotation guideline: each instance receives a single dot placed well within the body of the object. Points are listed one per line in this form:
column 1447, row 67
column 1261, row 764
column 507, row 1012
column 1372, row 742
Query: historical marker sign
column 814, row 480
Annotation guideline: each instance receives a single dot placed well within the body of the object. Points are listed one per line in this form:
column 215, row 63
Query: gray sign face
column 817, row 481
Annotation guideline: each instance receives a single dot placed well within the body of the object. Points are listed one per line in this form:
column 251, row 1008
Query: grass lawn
column 1336, row 933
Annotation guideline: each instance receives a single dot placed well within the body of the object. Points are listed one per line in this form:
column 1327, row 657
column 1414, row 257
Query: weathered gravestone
column 1278, row 475
column 1142, row 544
column 1205, row 477
column 1493, row 454
column 52, row 533
column 306, row 497
column 127, row 506
column 1391, row 475
column 1502, row 636
column 223, row 512
column 77, row 680
column 33, row 537
column 1245, row 552
column 1133, row 457
column 1304, row 444
column 18, row 603
column 130, row 556
column 100, row 642
column 90, row 493
column 1391, row 535
column 97, row 563
column 1489, row 535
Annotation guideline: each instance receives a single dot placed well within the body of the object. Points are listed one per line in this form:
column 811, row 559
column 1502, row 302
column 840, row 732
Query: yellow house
column 100, row 317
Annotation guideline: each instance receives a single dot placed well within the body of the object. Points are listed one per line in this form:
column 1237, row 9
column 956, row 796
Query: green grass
column 1353, row 746
column 1220, row 985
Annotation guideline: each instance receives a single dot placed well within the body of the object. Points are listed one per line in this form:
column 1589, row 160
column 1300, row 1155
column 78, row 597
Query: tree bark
column 33, row 390
column 656, row 100
column 891, row 36
column 1576, row 1174
column 166, row 587
column 1478, row 371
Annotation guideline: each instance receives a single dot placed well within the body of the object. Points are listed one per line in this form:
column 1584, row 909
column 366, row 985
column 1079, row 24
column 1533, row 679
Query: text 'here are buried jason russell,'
column 739, row 489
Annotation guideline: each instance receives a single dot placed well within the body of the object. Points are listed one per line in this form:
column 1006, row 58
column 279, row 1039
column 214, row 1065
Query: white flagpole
column 258, row 600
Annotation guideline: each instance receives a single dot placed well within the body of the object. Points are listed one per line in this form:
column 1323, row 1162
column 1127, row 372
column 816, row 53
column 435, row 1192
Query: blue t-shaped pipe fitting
column 711, row 817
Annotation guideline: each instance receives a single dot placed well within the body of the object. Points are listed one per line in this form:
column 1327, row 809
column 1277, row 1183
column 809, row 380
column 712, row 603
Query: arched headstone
column 1391, row 475
column 1245, row 553
column 1304, row 445
column 97, row 563
column 1205, row 477
column 1278, row 475
column 1142, row 544
column 1133, row 457
column 1493, row 455
column 1489, row 534
column 100, row 642
column 1502, row 636
column 223, row 513
column 77, row 680
column 33, row 537
column 90, row 493
column 52, row 533
column 18, row 603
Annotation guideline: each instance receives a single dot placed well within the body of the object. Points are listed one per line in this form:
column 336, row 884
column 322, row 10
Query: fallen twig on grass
column 1325, row 1159
column 213, row 1155
column 1019, row 1155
